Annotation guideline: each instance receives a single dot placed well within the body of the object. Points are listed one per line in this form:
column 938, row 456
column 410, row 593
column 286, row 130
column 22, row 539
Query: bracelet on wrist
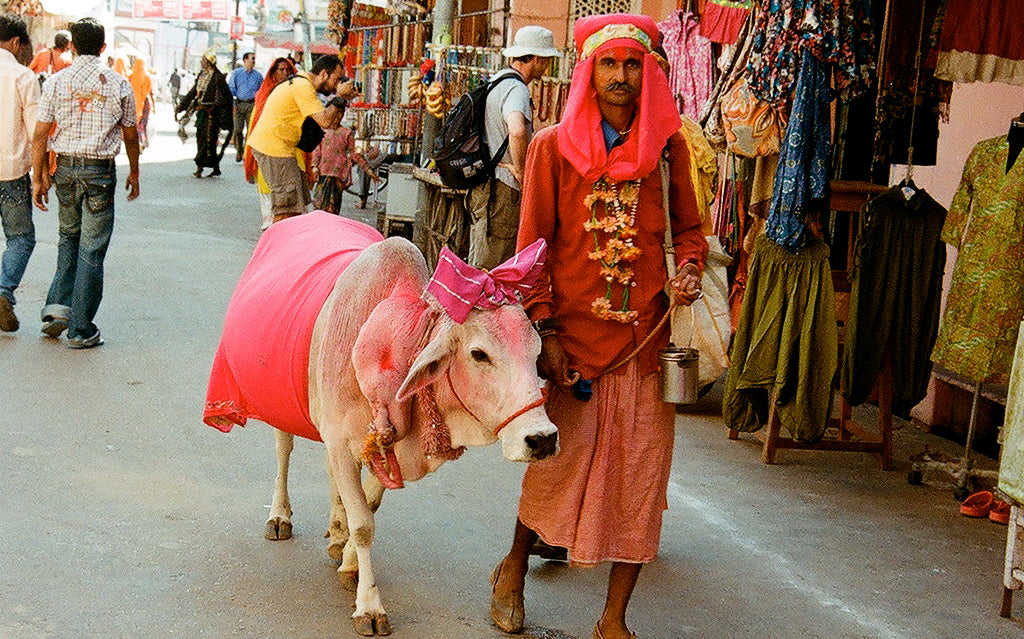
column 546, row 326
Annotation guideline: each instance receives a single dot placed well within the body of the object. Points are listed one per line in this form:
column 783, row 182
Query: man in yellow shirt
column 277, row 132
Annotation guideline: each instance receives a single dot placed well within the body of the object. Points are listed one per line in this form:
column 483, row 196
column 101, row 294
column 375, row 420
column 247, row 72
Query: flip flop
column 1000, row 512
column 978, row 505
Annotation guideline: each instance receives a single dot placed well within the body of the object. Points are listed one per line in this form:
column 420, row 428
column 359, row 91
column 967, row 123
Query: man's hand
column 41, row 189
column 553, row 363
column 132, row 185
column 347, row 90
column 685, row 288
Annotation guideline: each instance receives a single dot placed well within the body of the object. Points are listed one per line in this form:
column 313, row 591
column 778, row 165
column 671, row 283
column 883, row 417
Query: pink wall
column 977, row 112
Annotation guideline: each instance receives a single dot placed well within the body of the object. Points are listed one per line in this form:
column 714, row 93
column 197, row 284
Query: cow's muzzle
column 542, row 446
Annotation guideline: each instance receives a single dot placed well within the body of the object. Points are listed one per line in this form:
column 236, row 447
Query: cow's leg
column 341, row 547
column 279, row 523
column 369, row 617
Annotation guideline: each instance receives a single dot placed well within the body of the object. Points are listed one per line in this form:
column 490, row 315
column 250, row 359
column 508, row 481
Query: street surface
column 125, row 516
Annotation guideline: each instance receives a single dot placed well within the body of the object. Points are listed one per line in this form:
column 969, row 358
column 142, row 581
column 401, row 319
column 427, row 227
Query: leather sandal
column 509, row 613
column 600, row 635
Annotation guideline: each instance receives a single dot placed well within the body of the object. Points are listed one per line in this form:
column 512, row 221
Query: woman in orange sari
column 281, row 69
column 142, row 87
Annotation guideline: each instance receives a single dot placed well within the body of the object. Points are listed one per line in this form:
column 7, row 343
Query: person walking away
column 174, row 84
column 275, row 136
column 93, row 109
column 19, row 99
column 332, row 167
column 494, row 205
column 592, row 188
column 50, row 61
column 244, row 83
column 142, row 90
column 210, row 99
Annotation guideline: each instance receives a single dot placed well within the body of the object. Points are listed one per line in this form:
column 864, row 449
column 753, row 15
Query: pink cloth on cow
column 261, row 369
column 459, row 287
column 604, row 495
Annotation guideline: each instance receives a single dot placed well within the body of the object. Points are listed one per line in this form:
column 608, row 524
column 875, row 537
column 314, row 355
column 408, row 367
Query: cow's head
column 484, row 373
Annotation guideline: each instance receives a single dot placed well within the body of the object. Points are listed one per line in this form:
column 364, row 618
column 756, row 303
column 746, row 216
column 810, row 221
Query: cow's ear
column 430, row 363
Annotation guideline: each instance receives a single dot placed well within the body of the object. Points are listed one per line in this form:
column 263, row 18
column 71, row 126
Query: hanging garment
column 723, row 19
column 986, row 297
column 1011, row 463
column 703, row 170
column 837, row 33
column 732, row 67
column 690, row 61
column 801, row 181
column 894, row 301
column 899, row 100
column 982, row 41
column 786, row 343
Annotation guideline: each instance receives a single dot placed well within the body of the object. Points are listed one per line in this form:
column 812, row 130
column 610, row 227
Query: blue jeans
column 85, row 190
column 16, row 214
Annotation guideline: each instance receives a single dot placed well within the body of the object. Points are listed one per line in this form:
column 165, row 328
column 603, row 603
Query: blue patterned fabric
column 801, row 181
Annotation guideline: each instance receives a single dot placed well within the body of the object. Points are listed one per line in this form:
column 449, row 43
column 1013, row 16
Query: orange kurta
column 552, row 208
column 603, row 496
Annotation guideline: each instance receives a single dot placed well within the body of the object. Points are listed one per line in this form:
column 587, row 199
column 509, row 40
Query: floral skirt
column 327, row 194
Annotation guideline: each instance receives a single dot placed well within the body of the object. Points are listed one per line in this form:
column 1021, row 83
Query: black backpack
column 460, row 153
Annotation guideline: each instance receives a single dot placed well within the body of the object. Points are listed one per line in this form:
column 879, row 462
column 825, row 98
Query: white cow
column 393, row 380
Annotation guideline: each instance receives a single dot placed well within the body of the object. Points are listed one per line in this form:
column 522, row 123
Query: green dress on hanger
column 986, row 298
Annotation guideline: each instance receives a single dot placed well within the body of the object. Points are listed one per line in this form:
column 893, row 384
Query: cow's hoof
column 349, row 580
column 382, row 625
column 277, row 529
column 336, row 550
column 363, row 625
column 370, row 625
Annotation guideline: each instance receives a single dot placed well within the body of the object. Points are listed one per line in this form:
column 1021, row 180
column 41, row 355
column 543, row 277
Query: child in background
column 332, row 168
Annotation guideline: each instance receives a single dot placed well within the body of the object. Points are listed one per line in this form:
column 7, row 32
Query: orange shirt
column 47, row 57
column 552, row 207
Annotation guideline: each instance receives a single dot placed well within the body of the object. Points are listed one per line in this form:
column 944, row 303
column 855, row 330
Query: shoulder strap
column 670, row 257
column 500, row 153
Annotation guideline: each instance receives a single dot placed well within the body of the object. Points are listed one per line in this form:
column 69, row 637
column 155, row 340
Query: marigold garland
column 618, row 250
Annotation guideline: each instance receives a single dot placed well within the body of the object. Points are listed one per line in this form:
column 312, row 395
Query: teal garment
column 786, row 342
column 896, row 287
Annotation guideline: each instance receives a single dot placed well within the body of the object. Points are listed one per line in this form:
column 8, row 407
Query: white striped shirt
column 90, row 102
column 19, row 99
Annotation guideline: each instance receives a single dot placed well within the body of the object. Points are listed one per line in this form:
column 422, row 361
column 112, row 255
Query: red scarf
column 580, row 138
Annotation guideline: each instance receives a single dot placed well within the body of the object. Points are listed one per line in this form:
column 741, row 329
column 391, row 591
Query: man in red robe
column 593, row 191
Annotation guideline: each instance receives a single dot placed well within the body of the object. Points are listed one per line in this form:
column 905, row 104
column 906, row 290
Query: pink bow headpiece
column 460, row 287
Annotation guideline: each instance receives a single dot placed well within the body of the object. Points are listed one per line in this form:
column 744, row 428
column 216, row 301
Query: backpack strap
column 500, row 153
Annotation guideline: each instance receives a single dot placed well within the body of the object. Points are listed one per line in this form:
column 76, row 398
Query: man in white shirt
column 19, row 99
column 494, row 205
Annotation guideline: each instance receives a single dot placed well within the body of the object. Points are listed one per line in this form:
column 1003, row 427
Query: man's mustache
column 620, row 86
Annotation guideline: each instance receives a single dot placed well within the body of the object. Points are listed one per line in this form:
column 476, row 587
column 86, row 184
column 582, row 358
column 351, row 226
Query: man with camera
column 292, row 122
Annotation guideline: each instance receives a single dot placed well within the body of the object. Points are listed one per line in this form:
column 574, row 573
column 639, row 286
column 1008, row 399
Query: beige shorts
column 289, row 189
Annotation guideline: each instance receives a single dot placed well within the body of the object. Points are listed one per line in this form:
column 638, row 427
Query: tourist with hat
column 592, row 189
column 494, row 205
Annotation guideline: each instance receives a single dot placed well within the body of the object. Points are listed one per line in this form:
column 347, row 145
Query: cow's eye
column 479, row 355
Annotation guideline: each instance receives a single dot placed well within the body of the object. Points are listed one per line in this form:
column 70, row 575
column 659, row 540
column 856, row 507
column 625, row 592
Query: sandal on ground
column 978, row 505
column 508, row 613
column 1000, row 512
column 600, row 635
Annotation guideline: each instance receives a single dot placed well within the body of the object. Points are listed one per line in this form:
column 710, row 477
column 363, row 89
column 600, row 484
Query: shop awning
column 283, row 41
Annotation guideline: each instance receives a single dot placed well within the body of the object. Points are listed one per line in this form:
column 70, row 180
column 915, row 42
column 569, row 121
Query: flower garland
column 618, row 252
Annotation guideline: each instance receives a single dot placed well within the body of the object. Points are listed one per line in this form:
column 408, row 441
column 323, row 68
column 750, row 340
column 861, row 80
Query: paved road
column 124, row 516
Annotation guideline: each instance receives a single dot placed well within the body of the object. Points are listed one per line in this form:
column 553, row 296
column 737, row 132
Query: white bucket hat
column 533, row 40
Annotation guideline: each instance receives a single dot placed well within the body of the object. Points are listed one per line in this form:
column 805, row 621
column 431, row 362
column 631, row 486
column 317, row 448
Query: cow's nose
column 542, row 445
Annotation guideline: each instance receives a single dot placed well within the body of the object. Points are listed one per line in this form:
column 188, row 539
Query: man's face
column 538, row 68
column 618, row 76
column 326, row 83
column 249, row 62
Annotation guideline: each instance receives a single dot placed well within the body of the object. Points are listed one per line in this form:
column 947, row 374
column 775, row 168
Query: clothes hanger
column 1015, row 138
column 907, row 186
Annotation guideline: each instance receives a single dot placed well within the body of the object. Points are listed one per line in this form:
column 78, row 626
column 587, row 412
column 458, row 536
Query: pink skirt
column 603, row 496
